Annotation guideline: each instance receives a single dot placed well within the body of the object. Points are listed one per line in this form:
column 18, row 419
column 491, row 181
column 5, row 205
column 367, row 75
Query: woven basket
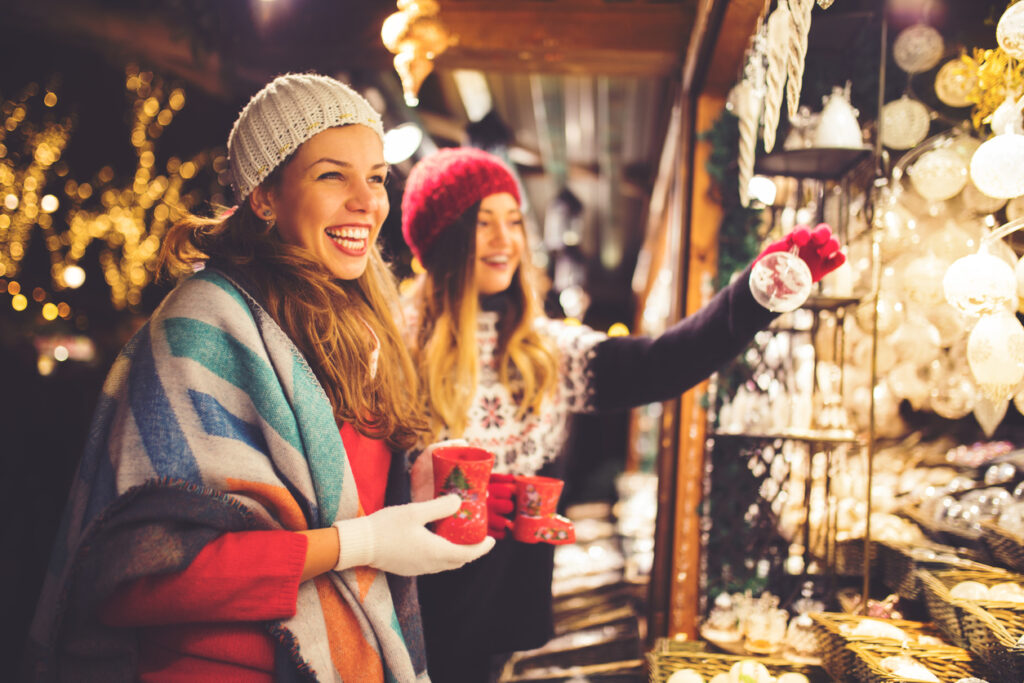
column 993, row 634
column 947, row 611
column 948, row 664
column 900, row 564
column 669, row 656
column 947, row 534
column 833, row 638
column 1006, row 547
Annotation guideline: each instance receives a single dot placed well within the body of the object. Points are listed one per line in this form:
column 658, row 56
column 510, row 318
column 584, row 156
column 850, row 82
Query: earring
column 267, row 213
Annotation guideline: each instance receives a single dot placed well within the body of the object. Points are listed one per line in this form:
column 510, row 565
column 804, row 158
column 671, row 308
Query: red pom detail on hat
column 442, row 186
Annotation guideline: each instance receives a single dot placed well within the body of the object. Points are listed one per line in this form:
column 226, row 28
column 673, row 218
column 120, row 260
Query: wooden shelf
column 821, row 163
column 806, row 435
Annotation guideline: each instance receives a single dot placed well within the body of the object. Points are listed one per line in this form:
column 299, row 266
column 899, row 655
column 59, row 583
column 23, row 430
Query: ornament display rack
column 824, row 169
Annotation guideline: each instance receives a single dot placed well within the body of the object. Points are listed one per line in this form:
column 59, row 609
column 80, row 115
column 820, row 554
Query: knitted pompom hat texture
column 442, row 186
column 288, row 111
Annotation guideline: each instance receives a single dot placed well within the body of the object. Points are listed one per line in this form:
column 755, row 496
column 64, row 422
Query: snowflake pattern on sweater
column 523, row 446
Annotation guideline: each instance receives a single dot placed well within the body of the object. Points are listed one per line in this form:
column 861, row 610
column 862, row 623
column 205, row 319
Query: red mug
column 463, row 470
column 536, row 519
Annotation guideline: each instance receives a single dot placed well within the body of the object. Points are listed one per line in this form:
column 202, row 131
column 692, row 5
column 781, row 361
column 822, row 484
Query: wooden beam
column 569, row 36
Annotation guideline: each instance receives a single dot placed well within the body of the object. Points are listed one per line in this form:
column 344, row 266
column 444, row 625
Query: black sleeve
column 632, row 371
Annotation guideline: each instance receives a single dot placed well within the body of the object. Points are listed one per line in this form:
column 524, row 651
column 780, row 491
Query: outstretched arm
column 632, row 371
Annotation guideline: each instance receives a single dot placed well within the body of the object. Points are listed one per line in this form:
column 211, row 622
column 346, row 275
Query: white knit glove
column 396, row 540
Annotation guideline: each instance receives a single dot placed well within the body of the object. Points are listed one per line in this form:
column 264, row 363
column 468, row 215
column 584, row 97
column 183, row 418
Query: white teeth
column 349, row 233
column 496, row 259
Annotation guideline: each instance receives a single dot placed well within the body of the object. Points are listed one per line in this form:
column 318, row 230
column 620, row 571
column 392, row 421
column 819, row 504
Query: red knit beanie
column 442, row 186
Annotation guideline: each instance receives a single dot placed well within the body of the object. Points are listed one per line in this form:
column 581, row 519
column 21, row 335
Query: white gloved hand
column 422, row 472
column 396, row 540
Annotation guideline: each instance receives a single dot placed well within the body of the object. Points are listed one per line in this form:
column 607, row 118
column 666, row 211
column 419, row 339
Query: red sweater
column 206, row 622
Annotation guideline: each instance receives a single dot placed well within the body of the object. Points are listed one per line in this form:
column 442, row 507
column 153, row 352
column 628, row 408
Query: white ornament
column 952, row 86
column 980, row 284
column 779, row 26
column 838, row 125
column 1010, row 31
column 904, row 123
column 990, row 413
column 995, row 353
column 939, row 174
column 800, row 27
column 997, row 167
column 918, row 48
column 979, row 202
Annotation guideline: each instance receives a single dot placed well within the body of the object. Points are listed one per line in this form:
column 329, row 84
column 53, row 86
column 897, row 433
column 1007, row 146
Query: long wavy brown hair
column 445, row 302
column 324, row 316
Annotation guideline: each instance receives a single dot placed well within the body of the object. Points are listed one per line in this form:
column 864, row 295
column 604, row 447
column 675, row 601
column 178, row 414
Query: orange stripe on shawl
column 277, row 499
column 356, row 660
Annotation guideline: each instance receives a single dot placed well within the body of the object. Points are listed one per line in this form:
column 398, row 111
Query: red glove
column 819, row 249
column 500, row 490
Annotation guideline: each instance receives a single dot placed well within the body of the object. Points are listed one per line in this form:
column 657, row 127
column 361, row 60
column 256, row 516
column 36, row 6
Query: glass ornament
column 918, row 48
column 1006, row 118
column 885, row 356
column 980, row 284
column 1019, row 273
column 781, row 281
column 952, row 85
column 990, row 413
column 995, row 354
column 997, row 167
column 905, row 381
column 953, row 396
column 1010, row 31
column 904, row 123
column 916, row 341
column 979, row 202
column 890, row 314
column 939, row 174
column 1015, row 209
column 950, row 323
column 922, row 280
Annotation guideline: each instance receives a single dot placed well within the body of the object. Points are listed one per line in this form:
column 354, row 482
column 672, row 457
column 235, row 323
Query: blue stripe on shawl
column 219, row 421
column 158, row 426
column 95, row 467
column 234, row 362
column 325, row 451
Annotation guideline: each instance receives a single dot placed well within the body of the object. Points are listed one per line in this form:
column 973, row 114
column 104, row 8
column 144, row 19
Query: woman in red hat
column 496, row 372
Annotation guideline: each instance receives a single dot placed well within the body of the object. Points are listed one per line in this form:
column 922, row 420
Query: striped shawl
column 210, row 421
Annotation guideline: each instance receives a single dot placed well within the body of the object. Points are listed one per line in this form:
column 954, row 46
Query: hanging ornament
column 1010, row 31
column 1019, row 273
column 980, row 284
column 938, row 174
column 750, row 101
column 979, row 202
column 779, row 26
column 904, row 123
column 1006, row 118
column 997, row 167
column 953, row 84
column 995, row 353
column 990, row 413
column 416, row 36
column 917, row 48
column 1015, row 209
column 800, row 27
column 953, row 396
column 825, row 4
column 838, row 125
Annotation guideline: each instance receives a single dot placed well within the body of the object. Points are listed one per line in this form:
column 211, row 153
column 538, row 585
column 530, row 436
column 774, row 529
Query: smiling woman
column 246, row 458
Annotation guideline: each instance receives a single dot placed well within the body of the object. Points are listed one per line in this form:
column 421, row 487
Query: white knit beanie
column 285, row 113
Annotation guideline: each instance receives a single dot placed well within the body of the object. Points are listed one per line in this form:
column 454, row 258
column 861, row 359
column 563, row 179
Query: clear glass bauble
column 953, row 396
column 916, row 341
column 979, row 202
column 918, row 48
column 953, row 84
column 890, row 314
column 922, row 280
column 997, row 167
column 980, row 284
column 1007, row 118
column 939, row 174
column 951, row 323
column 1010, row 31
column 906, row 380
column 780, row 281
column 904, row 123
column 995, row 354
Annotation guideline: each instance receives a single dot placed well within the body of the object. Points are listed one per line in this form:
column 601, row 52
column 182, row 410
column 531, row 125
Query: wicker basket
column 947, row 664
column 1006, row 547
column 993, row 634
column 833, row 634
column 669, row 656
column 947, row 611
column 947, row 534
column 901, row 562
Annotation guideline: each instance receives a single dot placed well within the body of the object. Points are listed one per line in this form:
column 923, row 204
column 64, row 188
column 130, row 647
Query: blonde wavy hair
column 325, row 318
column 444, row 301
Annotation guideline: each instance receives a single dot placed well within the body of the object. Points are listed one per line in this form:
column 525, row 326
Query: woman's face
column 500, row 240
column 331, row 199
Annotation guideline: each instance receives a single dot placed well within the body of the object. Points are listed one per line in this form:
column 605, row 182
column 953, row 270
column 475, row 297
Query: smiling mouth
column 499, row 260
column 351, row 240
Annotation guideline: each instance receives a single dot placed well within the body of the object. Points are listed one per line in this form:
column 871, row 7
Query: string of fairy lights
column 125, row 218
